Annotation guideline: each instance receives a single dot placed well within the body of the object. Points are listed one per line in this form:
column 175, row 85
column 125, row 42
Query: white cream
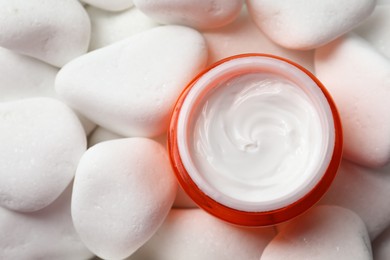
column 257, row 141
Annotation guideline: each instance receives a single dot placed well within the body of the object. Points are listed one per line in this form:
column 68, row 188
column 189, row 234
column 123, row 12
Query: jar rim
column 253, row 215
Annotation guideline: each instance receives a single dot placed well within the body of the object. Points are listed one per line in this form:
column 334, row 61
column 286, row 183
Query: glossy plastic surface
column 254, row 218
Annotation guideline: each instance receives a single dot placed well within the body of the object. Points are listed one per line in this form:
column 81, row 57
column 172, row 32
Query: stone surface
column 358, row 79
column 23, row 77
column 375, row 29
column 243, row 36
column 130, row 87
column 46, row 234
column 301, row 24
column 112, row 5
column 122, row 192
column 201, row 14
column 41, row 144
column 108, row 27
column 100, row 135
column 193, row 234
column 324, row 232
column 47, row 30
column 364, row 191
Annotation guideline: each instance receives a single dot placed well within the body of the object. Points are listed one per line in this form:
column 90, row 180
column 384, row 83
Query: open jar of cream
column 255, row 140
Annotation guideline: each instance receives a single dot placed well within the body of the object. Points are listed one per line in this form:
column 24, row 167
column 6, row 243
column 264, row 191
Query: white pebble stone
column 101, row 134
column 323, row 233
column 41, row 144
column 381, row 246
column 130, row 87
column 364, row 191
column 193, row 234
column 302, row 24
column 108, row 27
column 52, row 31
column 22, row 76
column 182, row 200
column 376, row 29
column 243, row 36
column 357, row 77
column 46, row 234
column 201, row 14
column 112, row 5
column 87, row 124
column 123, row 190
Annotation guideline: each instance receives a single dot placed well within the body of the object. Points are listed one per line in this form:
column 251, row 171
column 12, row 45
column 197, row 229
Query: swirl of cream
column 257, row 137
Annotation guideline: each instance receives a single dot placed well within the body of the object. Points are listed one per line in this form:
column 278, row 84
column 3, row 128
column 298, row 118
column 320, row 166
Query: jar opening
column 254, row 133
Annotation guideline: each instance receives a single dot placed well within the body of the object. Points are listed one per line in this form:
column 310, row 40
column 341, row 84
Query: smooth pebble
column 364, row 191
column 301, row 24
column 25, row 77
column 87, row 124
column 323, row 233
column 101, row 134
column 130, row 87
column 201, row 14
column 45, row 235
column 108, row 27
column 122, row 192
column 22, row 76
column 243, row 36
column 112, row 5
column 376, row 29
column 357, row 77
column 41, row 144
column 53, row 31
column 193, row 234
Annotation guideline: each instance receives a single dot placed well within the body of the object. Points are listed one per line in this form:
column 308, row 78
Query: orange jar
column 255, row 140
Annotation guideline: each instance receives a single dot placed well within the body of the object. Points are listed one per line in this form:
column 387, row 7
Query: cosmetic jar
column 255, row 140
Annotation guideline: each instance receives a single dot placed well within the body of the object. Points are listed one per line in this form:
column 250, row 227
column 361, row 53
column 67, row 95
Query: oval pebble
column 301, row 24
column 112, row 5
column 37, row 80
column 357, row 77
column 375, row 29
column 201, row 14
column 323, row 233
column 122, row 192
column 108, row 27
column 46, row 234
column 243, row 36
column 193, row 234
column 364, row 191
column 52, row 31
column 130, row 87
column 100, row 135
column 41, row 143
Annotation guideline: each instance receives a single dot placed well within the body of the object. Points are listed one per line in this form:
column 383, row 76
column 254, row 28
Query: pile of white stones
column 86, row 92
